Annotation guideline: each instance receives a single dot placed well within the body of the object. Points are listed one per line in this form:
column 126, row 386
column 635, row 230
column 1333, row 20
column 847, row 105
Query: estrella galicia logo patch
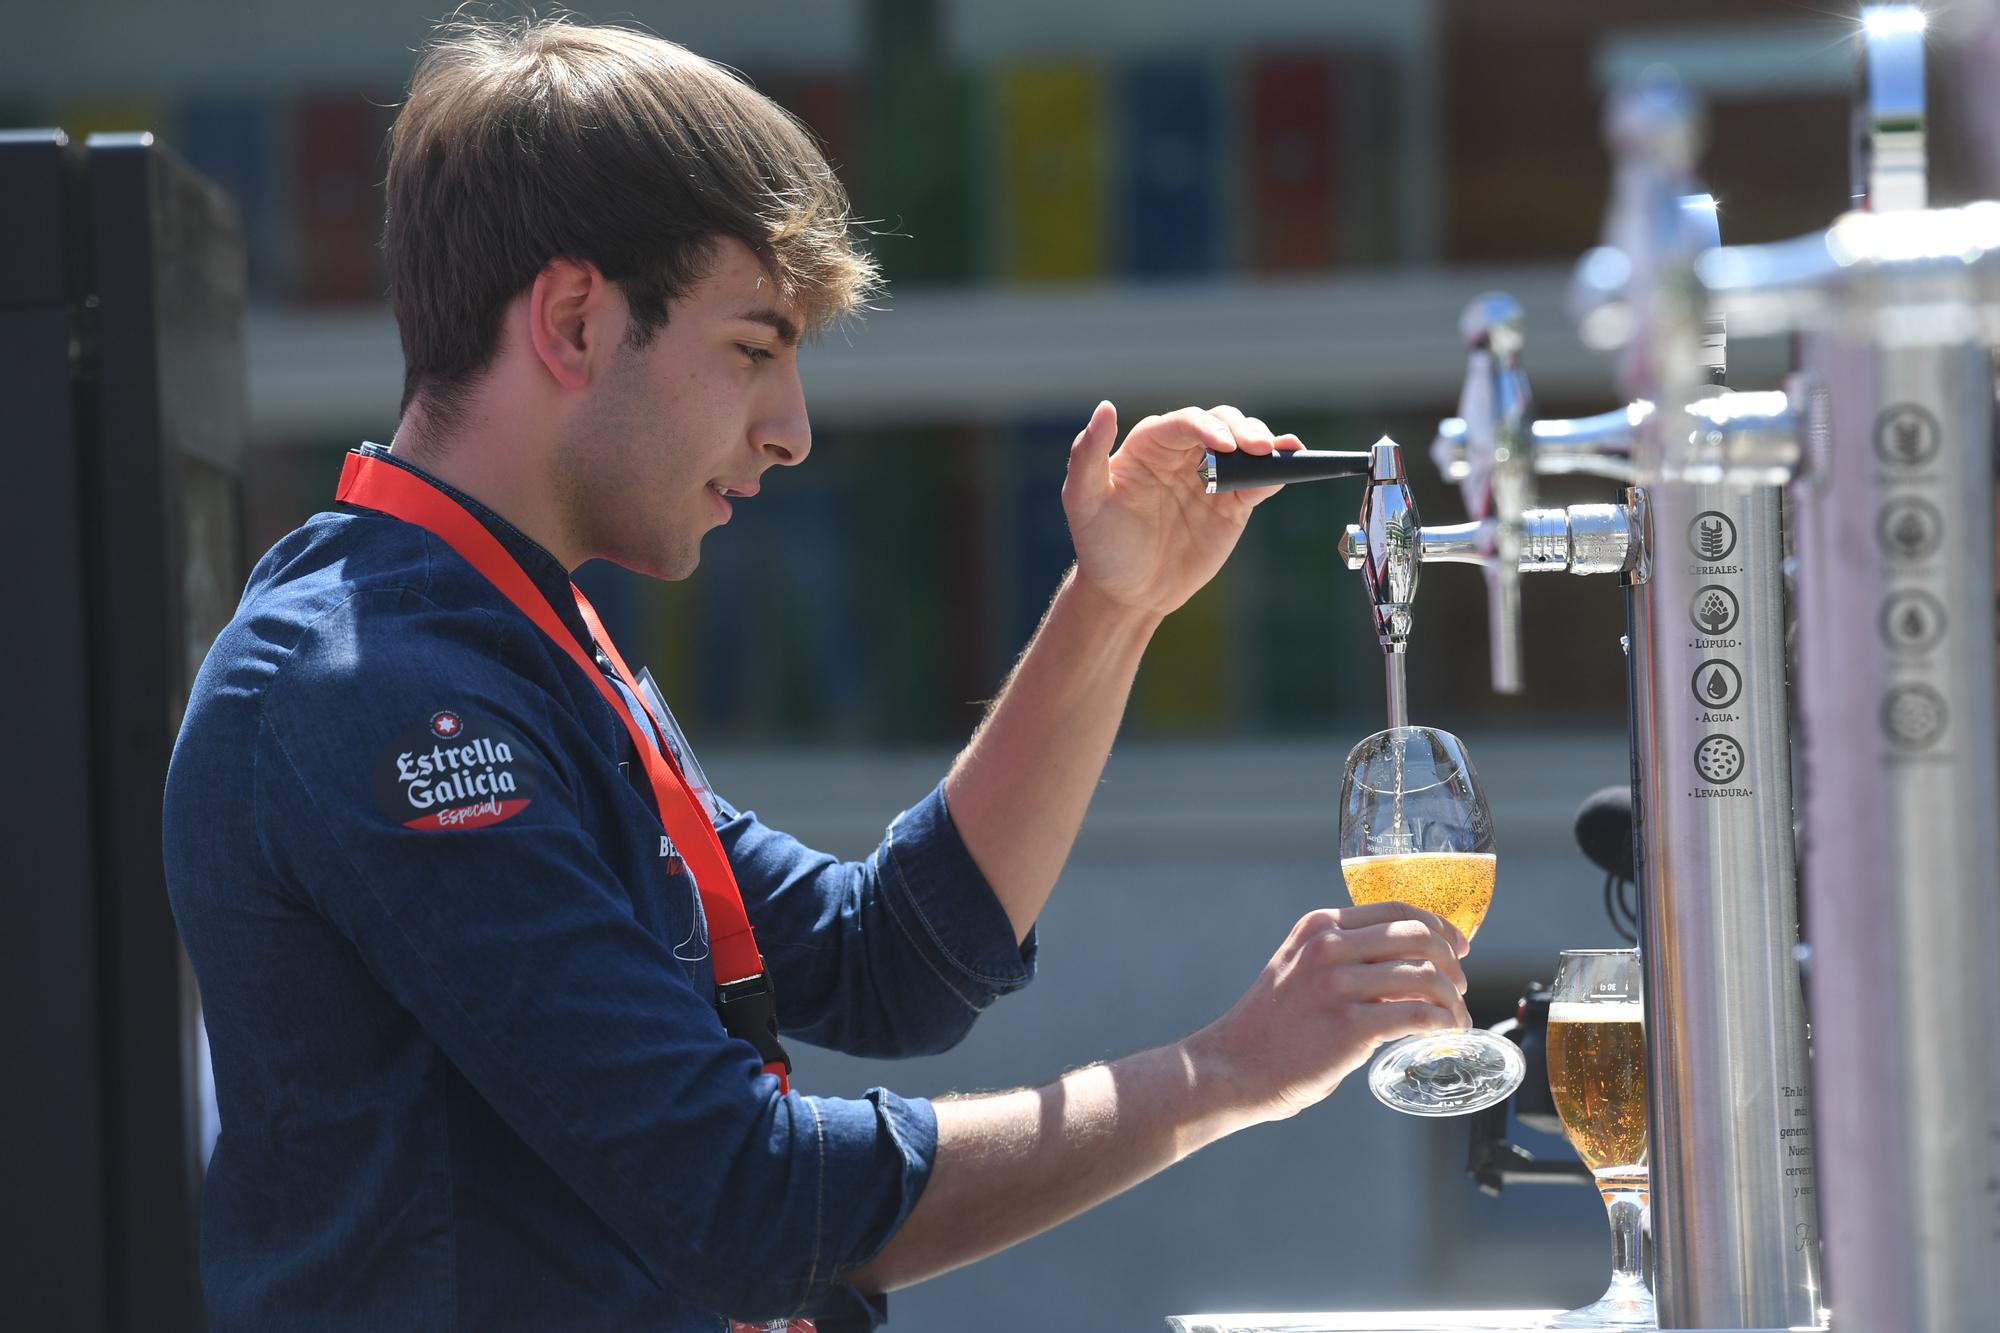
column 457, row 771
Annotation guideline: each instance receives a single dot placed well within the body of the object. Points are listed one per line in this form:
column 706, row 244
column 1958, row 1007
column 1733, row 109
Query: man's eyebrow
column 781, row 323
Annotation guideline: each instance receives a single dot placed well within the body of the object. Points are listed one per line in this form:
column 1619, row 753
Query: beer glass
column 1597, row 1073
column 1414, row 828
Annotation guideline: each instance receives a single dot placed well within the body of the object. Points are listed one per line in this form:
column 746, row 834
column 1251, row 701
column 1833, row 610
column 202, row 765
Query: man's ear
column 573, row 316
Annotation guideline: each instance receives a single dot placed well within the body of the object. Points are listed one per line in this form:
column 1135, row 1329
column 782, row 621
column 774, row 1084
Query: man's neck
column 496, row 476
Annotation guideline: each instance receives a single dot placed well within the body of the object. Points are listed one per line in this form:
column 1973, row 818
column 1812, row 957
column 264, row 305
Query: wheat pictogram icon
column 1909, row 440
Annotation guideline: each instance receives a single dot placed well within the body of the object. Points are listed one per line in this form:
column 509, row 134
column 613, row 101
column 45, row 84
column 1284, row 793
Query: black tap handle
column 1239, row 471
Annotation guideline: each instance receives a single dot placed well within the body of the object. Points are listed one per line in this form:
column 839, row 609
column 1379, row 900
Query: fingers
column 1331, row 941
column 1375, row 914
column 1394, row 1019
column 1190, row 428
column 1221, row 430
column 1090, row 461
column 1091, row 450
column 1412, row 940
column 1362, row 964
column 1250, row 434
column 1399, row 980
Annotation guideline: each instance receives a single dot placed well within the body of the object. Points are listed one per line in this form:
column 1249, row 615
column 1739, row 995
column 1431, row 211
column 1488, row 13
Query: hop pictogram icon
column 1910, row 529
column 1714, row 614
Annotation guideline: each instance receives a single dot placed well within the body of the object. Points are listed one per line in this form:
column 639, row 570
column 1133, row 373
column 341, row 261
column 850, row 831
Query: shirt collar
column 536, row 560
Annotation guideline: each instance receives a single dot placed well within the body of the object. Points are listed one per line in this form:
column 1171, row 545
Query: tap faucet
column 1389, row 551
column 1488, row 450
column 1497, row 406
column 1388, row 513
column 1389, row 564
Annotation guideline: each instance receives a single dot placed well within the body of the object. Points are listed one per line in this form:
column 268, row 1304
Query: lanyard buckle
column 749, row 1011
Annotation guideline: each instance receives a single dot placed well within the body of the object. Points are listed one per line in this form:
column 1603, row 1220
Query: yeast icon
column 456, row 770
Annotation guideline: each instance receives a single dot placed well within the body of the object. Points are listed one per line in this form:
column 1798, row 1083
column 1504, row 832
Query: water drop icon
column 1718, row 688
column 1912, row 621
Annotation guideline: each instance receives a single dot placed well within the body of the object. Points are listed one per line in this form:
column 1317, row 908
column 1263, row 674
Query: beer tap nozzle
column 1389, row 555
column 1386, row 546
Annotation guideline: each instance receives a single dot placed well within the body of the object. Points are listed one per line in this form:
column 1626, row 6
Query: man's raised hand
column 1146, row 535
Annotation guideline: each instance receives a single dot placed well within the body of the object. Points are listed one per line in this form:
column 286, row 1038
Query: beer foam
column 1597, row 1011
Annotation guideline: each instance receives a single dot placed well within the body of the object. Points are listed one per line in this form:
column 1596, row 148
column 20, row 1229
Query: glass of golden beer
column 1597, row 1073
column 1414, row 828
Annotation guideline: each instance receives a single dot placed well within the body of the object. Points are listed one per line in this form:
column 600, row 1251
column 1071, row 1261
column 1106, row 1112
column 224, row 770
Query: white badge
column 677, row 745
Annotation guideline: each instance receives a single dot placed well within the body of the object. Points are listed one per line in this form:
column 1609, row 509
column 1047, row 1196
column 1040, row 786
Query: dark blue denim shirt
column 467, row 1061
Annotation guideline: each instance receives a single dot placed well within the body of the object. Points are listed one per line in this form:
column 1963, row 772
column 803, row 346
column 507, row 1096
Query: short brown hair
column 533, row 139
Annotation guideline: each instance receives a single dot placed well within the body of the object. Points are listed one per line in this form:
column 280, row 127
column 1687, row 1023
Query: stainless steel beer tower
column 1733, row 1171
column 1734, row 1221
column 1898, row 313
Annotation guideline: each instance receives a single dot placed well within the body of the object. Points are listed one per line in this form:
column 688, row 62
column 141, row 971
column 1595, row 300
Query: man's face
column 700, row 411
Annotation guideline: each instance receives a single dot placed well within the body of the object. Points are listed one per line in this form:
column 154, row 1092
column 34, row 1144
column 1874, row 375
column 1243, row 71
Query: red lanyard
column 744, row 996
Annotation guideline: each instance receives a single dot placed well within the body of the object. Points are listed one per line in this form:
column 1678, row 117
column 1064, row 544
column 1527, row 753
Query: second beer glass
column 1597, row 1074
column 1414, row 828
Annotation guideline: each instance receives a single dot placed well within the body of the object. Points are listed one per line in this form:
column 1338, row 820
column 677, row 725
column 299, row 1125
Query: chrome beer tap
column 1496, row 484
column 1596, row 446
column 1389, row 545
column 1389, row 571
column 1386, row 551
column 1599, row 446
column 1491, row 461
column 1507, row 536
column 1388, row 510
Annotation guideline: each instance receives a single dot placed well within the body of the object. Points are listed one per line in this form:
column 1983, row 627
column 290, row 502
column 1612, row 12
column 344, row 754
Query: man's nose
column 785, row 433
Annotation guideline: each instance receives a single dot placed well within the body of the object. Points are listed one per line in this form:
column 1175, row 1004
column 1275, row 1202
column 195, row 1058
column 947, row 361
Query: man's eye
column 753, row 352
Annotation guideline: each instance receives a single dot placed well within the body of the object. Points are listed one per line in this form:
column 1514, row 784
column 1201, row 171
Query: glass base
column 1446, row 1073
column 1628, row 1304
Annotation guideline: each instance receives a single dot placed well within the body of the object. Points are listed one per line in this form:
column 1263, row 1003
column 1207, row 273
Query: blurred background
column 1282, row 205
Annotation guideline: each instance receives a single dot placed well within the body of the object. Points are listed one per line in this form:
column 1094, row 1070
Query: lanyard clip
column 749, row 1011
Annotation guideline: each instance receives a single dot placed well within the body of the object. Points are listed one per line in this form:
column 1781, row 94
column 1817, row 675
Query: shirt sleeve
column 892, row 956
column 490, row 914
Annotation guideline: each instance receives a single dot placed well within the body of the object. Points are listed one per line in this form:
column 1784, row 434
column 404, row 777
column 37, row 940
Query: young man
column 488, row 1043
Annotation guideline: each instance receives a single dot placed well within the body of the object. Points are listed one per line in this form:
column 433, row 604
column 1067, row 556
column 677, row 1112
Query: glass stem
column 1625, row 1200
